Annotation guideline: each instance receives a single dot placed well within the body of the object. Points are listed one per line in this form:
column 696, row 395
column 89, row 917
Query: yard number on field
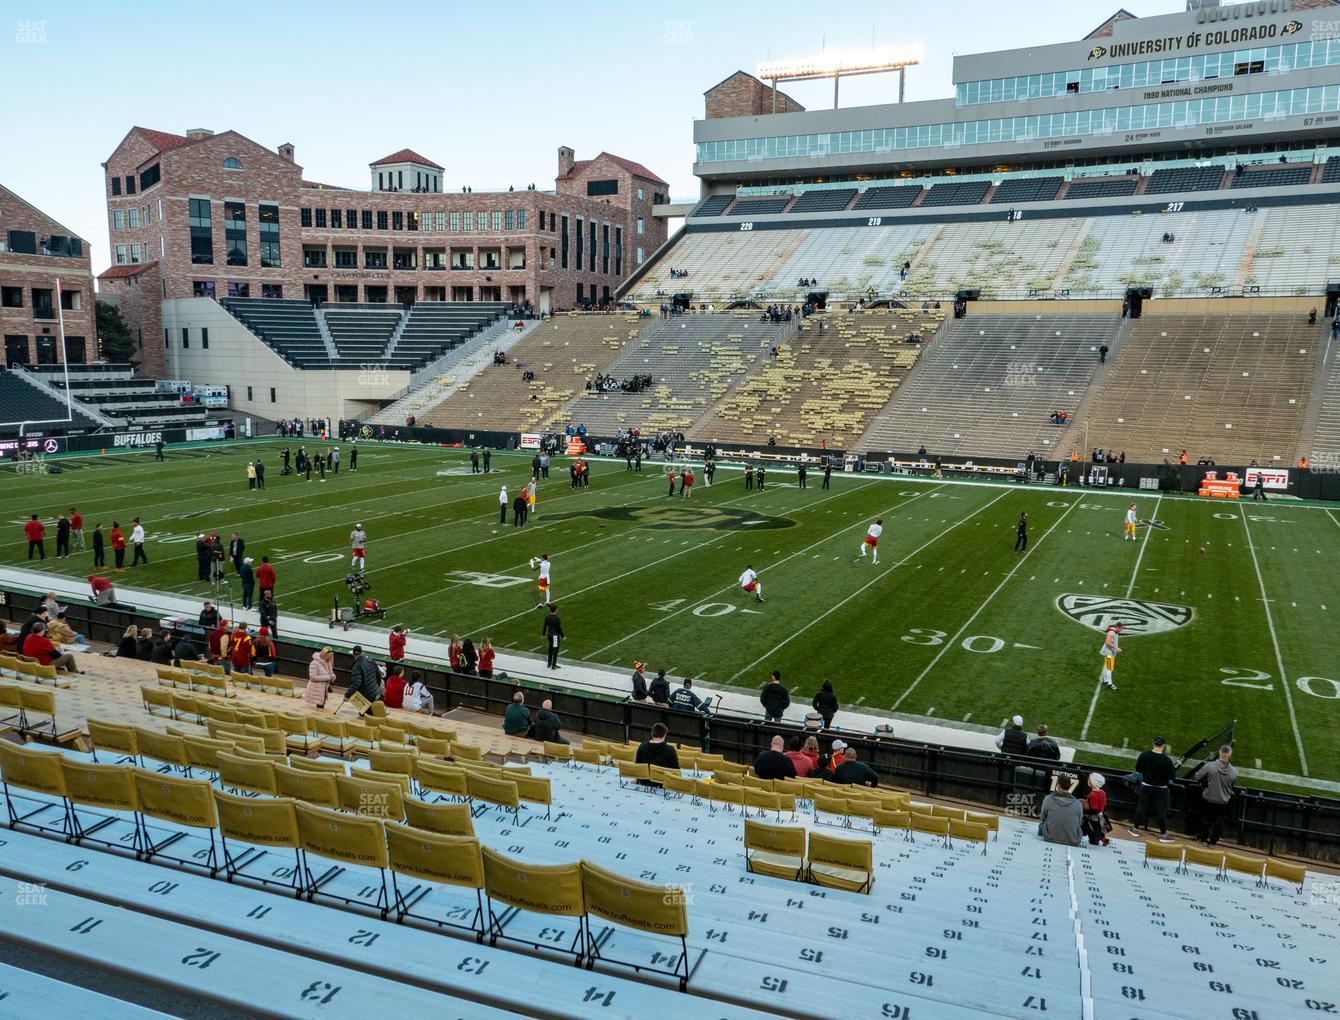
column 1254, row 679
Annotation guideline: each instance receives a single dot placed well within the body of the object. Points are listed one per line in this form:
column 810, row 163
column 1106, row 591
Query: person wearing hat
column 829, row 762
column 1154, row 771
column 264, row 653
column 1012, row 739
column 363, row 678
column 247, row 575
column 1096, row 825
column 639, row 681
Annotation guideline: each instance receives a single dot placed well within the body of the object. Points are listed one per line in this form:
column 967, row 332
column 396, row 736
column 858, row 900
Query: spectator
column 35, row 531
column 417, row 698
column 486, row 656
column 241, row 650
column 1062, row 814
column 773, row 762
column 216, row 643
column 1012, row 739
column 104, row 592
column 639, row 681
column 125, row 648
column 469, row 657
column 1217, row 777
column 659, row 691
column 1154, row 772
column 774, row 697
column 265, row 576
column 826, row 703
column 852, row 772
column 1096, row 825
column 363, row 678
column 396, row 643
column 265, row 654
column 61, row 633
column 656, row 751
column 144, row 644
column 38, row 646
column 395, row 686
column 516, row 720
column 209, row 617
column 320, row 677
column 1043, row 746
column 552, row 632
column 185, row 650
column 685, row 700
column 823, row 768
column 801, row 761
column 39, row 616
column 246, row 574
column 160, row 652
column 548, row 725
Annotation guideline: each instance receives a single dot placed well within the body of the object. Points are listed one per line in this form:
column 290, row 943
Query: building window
column 411, row 220
column 237, row 290
column 509, row 219
column 272, row 290
column 455, row 221
column 320, row 217
column 467, row 222
column 120, row 254
column 248, row 393
column 397, row 220
column 268, row 216
column 23, row 242
column 204, row 336
column 367, row 219
column 562, row 243
column 167, row 342
column 641, row 226
column 581, row 244
column 185, row 338
column 232, row 163
column 591, row 251
column 641, row 194
column 541, row 219
column 116, row 185
column 162, row 247
column 605, row 248
column 130, row 184
column 70, row 300
column 148, row 179
column 639, row 256
column 306, row 217
column 441, row 220
column 272, row 394
column 346, row 258
column 374, row 259
column 132, row 219
column 351, row 219
column 381, row 219
column 618, row 251
column 521, row 219
column 11, row 297
column 595, row 188
column 148, row 215
column 118, row 219
column 135, row 254
column 202, row 288
column 336, row 219
column 235, row 232
column 202, row 232
column 497, row 222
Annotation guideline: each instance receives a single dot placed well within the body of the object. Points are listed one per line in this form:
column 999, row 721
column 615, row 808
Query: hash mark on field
column 1125, row 741
column 931, row 710
column 967, row 717
column 860, row 701
column 1258, row 763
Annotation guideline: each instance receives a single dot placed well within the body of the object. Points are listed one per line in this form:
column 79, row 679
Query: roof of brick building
column 636, row 169
column 406, row 156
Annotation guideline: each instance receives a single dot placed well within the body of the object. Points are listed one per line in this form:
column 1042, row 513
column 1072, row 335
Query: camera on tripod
column 358, row 587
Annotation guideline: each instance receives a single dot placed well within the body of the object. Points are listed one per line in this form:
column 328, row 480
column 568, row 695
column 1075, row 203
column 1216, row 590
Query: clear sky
column 489, row 90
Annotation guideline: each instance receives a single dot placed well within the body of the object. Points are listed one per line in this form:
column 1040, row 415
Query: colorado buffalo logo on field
column 674, row 517
column 1098, row 612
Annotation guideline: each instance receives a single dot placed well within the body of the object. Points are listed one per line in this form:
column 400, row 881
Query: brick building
column 35, row 253
column 218, row 215
column 743, row 95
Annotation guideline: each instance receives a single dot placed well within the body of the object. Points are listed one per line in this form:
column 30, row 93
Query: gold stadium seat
column 585, row 755
column 183, row 802
column 111, row 787
column 371, row 798
column 930, row 825
column 444, row 819
column 551, row 889
column 1204, row 856
column 40, row 772
column 440, row 778
column 754, row 783
column 248, row 775
column 973, row 832
column 991, row 821
column 941, row 811
column 498, row 792
column 260, row 822
column 334, row 736
column 442, row 859
column 466, row 752
column 298, row 733
column 111, row 738
column 557, row 752
column 307, row 786
column 392, row 732
column 163, row 748
column 840, row 863
column 392, row 761
column 1294, row 874
column 344, row 839
column 434, row 746
column 724, row 793
column 776, row 850
column 534, row 791
column 274, row 741
column 325, row 766
column 642, row 906
column 203, row 753
column 890, row 819
column 1244, row 865
column 158, row 701
column 630, row 774
column 829, row 806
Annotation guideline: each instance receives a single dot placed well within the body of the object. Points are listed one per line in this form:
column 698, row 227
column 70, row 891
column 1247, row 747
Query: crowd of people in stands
column 778, row 313
column 807, row 282
column 679, row 274
column 629, row 384
column 1060, row 417
column 315, row 427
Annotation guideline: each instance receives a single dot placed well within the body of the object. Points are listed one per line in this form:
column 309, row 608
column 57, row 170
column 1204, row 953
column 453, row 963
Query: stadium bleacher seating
column 1108, row 187
column 361, row 334
column 759, row 206
column 1230, row 388
column 713, row 205
column 895, row 197
column 1281, row 176
column 1325, row 445
column 116, row 392
column 1026, row 189
column 23, row 401
column 432, row 328
column 830, row 200
column 287, row 327
column 1330, row 173
column 956, row 193
column 1185, row 178
column 988, row 386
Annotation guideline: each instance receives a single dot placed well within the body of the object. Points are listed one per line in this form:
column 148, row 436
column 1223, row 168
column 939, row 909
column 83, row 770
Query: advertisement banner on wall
column 530, row 440
column 1271, row 478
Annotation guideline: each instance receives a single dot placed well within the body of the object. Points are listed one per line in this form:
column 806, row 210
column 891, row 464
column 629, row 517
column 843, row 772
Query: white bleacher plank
column 24, row 993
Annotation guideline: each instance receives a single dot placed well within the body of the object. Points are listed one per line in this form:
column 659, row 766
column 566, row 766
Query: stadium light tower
column 836, row 66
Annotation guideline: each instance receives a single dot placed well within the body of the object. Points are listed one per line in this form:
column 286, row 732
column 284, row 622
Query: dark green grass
column 951, row 624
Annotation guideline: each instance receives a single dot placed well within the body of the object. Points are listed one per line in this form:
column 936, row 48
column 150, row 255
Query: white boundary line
column 1135, row 572
column 1275, row 641
column 953, row 641
column 874, row 580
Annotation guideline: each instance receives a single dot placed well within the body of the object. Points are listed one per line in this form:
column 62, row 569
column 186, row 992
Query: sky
column 488, row 90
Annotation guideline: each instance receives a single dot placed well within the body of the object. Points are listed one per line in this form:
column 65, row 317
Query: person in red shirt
column 486, row 658
column 454, row 653
column 104, row 593
column 36, row 532
column 240, row 649
column 38, row 646
column 118, row 541
column 670, row 476
column 265, row 654
column 77, row 528
column 265, row 576
column 803, row 762
column 1095, row 823
column 395, row 686
column 396, row 643
column 686, row 483
column 215, row 641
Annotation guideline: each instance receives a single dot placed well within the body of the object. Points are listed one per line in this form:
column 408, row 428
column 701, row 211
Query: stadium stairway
column 1322, row 431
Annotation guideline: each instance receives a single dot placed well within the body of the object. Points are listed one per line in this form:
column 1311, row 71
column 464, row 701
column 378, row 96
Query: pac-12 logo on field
column 667, row 517
column 1099, row 612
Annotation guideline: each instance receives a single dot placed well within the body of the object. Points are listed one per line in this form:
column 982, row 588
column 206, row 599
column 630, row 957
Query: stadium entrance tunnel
column 665, row 518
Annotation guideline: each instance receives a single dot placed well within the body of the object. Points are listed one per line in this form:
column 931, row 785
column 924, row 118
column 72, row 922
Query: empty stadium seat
column 823, row 200
column 1026, row 189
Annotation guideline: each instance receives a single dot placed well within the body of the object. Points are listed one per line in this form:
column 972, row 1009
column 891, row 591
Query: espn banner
column 1271, row 478
column 530, row 441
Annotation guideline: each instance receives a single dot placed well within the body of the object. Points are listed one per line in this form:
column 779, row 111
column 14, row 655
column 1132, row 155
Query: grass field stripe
column 953, row 642
column 874, row 580
column 730, row 587
column 1275, row 642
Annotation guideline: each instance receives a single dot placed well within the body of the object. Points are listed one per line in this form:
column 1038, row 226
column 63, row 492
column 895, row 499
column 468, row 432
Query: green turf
column 952, row 623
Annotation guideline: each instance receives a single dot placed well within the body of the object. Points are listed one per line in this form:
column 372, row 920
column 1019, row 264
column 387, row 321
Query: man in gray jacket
column 1062, row 815
column 363, row 678
column 1218, row 777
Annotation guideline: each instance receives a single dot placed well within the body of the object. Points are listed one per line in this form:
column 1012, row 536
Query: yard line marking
column 1275, row 641
column 953, row 642
column 1135, row 571
column 875, row 580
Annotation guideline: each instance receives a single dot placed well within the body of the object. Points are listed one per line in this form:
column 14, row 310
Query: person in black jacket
column 773, row 763
column 775, row 697
column 144, row 645
column 99, row 548
column 247, row 575
column 853, row 772
column 1043, row 746
column 1155, row 770
column 363, row 678
column 659, row 690
column 62, row 536
column 209, row 617
column 125, row 648
column 185, row 650
column 552, row 631
column 547, row 724
column 203, row 556
column 1013, row 739
column 826, row 703
column 161, row 650
column 639, row 681
column 656, row 751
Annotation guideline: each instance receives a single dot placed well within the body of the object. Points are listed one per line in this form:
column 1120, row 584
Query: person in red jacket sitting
column 36, row 532
column 396, row 642
column 395, row 686
column 265, row 576
column 38, row 646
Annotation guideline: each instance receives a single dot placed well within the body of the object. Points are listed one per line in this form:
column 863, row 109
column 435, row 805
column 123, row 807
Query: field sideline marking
column 1135, row 572
column 1275, row 641
column 731, row 587
column 874, row 580
column 953, row 642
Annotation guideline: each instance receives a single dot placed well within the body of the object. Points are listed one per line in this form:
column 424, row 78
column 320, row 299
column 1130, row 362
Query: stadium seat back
column 392, row 732
column 104, row 786
column 675, row 783
column 161, row 747
column 432, row 856
column 29, row 769
column 309, row 787
column 588, row 755
column 433, row 746
column 754, row 783
column 941, row 811
column 203, row 752
column 325, row 766
column 930, row 824
column 533, row 789
column 436, row 777
column 1244, row 865
column 557, row 752
column 631, row 773
column 659, row 909
column 1205, row 857
column 263, row 821
column 157, row 699
column 886, row 819
column 502, row 792
column 841, row 863
column 371, row 798
column 468, row 752
column 337, row 836
column 1296, row 874
column 247, row 774
column 777, row 850
column 400, row 762
column 272, row 740
column 175, row 799
column 444, row 819
column 973, row 832
column 554, row 889
column 112, row 738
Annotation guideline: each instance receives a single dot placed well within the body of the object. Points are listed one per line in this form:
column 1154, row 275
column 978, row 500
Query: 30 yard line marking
column 953, row 642
column 1275, row 641
column 874, row 580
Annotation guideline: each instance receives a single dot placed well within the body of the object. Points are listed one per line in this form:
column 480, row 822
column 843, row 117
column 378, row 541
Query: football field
column 1231, row 609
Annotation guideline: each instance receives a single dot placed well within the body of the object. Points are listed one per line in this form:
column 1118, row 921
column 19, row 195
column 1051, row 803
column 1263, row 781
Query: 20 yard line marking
column 952, row 642
column 1275, row 641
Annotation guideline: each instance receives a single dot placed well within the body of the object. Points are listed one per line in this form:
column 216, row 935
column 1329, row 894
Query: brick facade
column 743, row 95
column 513, row 249
column 30, row 312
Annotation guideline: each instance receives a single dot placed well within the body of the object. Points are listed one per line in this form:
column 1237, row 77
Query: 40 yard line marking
column 952, row 642
column 1275, row 642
